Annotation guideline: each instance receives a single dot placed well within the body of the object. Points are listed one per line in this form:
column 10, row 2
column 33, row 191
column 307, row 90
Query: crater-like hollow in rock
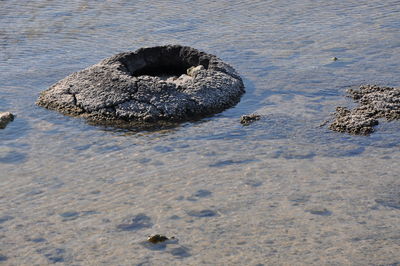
column 155, row 84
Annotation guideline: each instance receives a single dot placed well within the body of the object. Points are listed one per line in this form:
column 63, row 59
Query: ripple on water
column 14, row 157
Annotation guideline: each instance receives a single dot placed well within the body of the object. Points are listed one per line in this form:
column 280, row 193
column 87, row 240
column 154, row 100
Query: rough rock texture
column 374, row 102
column 248, row 119
column 5, row 118
column 163, row 83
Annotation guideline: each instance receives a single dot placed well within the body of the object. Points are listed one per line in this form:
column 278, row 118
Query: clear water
column 282, row 191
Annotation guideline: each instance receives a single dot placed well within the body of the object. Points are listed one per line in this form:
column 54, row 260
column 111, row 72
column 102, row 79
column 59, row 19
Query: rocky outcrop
column 163, row 83
column 374, row 103
column 5, row 118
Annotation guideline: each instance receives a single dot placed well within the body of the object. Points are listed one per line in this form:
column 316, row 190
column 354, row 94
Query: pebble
column 248, row 119
column 5, row 118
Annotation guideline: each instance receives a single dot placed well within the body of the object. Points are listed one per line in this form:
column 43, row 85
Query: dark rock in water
column 163, row 83
column 374, row 103
column 158, row 238
column 5, row 118
column 248, row 119
column 159, row 242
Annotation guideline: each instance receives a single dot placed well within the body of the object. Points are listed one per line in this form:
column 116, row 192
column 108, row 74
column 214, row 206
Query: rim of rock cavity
column 156, row 84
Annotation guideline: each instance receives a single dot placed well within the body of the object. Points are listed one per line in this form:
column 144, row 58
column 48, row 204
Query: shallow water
column 282, row 191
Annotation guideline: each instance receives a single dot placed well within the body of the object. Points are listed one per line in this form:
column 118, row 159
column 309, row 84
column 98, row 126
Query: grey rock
column 374, row 102
column 5, row 118
column 163, row 83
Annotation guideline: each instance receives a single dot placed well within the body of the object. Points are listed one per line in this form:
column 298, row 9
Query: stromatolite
column 163, row 83
column 374, row 102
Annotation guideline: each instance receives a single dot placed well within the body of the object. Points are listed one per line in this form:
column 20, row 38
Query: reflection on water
column 280, row 191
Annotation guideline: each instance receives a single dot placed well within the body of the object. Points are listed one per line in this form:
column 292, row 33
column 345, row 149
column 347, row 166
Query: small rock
column 334, row 58
column 248, row 119
column 192, row 71
column 181, row 81
column 5, row 118
column 158, row 238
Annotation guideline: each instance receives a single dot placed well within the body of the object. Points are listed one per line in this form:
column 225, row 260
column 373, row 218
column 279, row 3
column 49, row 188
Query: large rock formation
column 163, row 83
column 374, row 102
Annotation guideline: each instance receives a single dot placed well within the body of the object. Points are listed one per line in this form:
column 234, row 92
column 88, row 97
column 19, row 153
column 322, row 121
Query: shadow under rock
column 176, row 250
column 136, row 222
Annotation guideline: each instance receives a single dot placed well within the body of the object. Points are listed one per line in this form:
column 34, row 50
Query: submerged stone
column 374, row 102
column 5, row 118
column 248, row 119
column 155, row 239
column 163, row 83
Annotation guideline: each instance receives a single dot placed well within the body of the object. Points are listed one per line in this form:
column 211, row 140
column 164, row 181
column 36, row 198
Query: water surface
column 282, row 191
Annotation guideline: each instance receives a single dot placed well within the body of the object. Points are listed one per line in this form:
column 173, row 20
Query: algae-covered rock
column 163, row 83
column 374, row 102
